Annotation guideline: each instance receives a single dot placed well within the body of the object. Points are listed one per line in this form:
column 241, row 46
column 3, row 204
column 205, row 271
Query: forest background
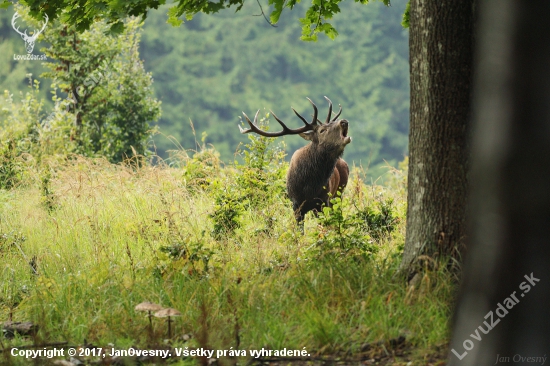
column 212, row 68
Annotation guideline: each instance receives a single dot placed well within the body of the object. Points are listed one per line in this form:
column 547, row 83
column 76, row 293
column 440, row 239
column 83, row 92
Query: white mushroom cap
column 167, row 312
column 148, row 306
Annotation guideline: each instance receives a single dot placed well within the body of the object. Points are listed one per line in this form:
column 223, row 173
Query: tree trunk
column 509, row 253
column 441, row 46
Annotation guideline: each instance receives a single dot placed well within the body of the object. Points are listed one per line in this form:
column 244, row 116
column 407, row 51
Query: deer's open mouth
column 345, row 137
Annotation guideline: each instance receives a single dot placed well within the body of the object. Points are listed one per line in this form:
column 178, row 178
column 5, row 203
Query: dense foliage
column 214, row 67
column 108, row 91
column 102, row 98
column 83, row 14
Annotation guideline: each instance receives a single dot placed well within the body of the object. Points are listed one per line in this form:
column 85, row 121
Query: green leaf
column 175, row 22
column 290, row 4
column 116, row 28
column 173, row 17
column 309, row 37
column 329, row 30
column 277, row 10
column 334, row 8
column 406, row 14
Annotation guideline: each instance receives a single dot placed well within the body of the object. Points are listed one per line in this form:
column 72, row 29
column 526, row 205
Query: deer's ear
column 307, row 135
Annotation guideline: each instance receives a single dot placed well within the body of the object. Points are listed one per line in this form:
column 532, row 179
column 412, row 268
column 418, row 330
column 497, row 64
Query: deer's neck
column 322, row 160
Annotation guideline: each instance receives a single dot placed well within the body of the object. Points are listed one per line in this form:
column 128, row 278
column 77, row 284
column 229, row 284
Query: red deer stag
column 317, row 170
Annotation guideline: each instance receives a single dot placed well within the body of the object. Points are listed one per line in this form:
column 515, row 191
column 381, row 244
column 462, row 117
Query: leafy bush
column 109, row 94
column 41, row 135
column 227, row 210
column 200, row 170
column 256, row 183
column 262, row 176
column 192, row 255
column 10, row 172
column 340, row 233
column 104, row 106
column 20, row 133
column 379, row 221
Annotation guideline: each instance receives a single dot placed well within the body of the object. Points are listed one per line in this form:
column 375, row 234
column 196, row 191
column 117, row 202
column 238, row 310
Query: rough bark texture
column 510, row 200
column 441, row 47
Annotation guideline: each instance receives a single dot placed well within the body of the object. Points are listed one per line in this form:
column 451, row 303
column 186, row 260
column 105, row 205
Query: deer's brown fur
column 316, row 171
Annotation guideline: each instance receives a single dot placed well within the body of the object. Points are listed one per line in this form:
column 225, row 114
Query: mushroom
column 148, row 306
column 168, row 312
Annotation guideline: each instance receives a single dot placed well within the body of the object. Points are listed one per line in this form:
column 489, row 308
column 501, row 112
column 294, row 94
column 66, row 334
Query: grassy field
column 82, row 242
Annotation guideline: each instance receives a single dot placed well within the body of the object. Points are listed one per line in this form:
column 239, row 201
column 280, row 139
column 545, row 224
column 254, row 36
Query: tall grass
column 107, row 237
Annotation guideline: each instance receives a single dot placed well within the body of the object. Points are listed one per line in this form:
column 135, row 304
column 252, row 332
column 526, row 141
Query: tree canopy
column 83, row 13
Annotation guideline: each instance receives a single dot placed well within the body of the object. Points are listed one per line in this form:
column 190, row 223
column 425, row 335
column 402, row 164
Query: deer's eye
column 322, row 130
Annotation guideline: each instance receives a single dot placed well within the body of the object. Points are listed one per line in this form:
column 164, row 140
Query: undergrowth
column 84, row 241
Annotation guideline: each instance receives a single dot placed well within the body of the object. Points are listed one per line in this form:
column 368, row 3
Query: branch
column 319, row 18
column 263, row 14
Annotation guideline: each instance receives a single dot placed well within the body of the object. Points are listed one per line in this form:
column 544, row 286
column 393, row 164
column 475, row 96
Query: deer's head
column 29, row 39
column 331, row 134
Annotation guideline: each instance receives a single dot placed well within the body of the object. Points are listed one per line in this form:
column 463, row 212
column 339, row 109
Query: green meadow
column 83, row 241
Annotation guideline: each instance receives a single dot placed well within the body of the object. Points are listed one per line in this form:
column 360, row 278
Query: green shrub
column 104, row 106
column 340, row 233
column 262, row 176
column 227, row 211
column 193, row 255
column 379, row 221
column 108, row 93
column 20, row 133
column 200, row 170
column 10, row 171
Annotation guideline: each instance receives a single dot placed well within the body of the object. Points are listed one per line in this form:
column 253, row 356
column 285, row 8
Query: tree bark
column 510, row 199
column 441, row 56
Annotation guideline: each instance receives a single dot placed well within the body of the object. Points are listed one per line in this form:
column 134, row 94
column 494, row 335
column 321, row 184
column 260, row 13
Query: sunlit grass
column 98, row 254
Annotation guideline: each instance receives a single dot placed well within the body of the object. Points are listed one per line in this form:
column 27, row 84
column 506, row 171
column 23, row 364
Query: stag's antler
column 330, row 113
column 286, row 130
